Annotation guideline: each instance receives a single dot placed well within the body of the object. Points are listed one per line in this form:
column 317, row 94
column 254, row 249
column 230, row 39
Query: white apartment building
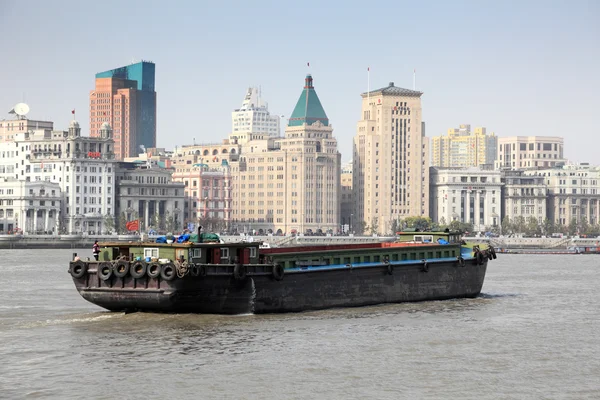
column 29, row 207
column 391, row 159
column 469, row 195
column 525, row 152
column 573, row 193
column 254, row 116
column 83, row 167
column 524, row 196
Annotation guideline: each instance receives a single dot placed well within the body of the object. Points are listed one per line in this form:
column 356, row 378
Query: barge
column 238, row 278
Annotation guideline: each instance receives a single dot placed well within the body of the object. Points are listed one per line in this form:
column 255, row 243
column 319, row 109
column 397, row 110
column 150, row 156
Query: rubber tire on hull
column 460, row 261
column 78, row 269
column 195, row 270
column 138, row 269
column 425, row 266
column 278, row 272
column 121, row 268
column 168, row 272
column 153, row 270
column 390, row 269
column 479, row 258
column 493, row 251
column 105, row 271
column 239, row 272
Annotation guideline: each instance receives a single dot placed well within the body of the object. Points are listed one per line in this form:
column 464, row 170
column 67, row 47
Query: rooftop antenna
column 415, row 79
column 369, row 87
column 20, row 110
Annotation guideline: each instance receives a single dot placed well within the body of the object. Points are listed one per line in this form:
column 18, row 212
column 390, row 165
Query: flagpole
column 415, row 79
column 369, row 91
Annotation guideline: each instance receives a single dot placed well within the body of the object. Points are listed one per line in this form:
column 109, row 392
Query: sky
column 526, row 68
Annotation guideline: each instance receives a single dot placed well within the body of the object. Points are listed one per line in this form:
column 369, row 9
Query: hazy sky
column 515, row 67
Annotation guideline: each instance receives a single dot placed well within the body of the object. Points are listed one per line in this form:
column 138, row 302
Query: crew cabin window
column 151, row 252
column 423, row 238
column 197, row 253
column 224, row 253
column 253, row 252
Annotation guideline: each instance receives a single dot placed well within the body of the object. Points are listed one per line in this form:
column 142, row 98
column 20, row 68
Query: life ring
column 105, row 271
column 390, row 268
column 239, row 272
column 425, row 266
column 78, row 269
column 195, row 270
column 168, row 271
column 138, row 269
column 121, row 268
column 460, row 261
column 153, row 270
column 278, row 272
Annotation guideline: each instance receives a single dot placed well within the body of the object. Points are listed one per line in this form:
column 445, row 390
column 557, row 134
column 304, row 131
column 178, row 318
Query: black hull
column 299, row 290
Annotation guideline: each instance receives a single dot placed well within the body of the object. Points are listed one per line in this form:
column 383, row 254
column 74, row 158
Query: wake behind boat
column 197, row 276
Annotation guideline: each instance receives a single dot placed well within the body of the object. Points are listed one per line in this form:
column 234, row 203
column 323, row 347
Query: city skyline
column 520, row 70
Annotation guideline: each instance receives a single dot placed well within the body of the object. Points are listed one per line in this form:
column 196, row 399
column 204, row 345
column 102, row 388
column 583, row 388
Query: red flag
column 133, row 225
column 308, row 64
column 73, row 112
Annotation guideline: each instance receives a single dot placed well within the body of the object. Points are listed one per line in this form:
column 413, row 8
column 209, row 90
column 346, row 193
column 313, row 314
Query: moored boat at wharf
column 237, row 278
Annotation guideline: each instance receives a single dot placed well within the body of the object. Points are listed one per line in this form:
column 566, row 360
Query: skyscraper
column 463, row 148
column 391, row 159
column 254, row 117
column 125, row 98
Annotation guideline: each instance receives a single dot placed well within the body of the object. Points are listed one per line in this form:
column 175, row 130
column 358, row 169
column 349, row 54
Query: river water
column 532, row 334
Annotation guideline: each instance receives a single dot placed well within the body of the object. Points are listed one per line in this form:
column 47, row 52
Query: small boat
column 245, row 277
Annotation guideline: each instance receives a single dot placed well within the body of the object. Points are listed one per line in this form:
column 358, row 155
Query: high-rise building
column 254, row 116
column 391, row 159
column 526, row 152
column 125, row 98
column 289, row 184
column 462, row 148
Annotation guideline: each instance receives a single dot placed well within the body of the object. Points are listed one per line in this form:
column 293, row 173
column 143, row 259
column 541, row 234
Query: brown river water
column 534, row 333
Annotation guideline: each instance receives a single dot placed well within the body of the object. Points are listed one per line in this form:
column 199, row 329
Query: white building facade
column 469, row 195
column 83, row 167
column 254, row 116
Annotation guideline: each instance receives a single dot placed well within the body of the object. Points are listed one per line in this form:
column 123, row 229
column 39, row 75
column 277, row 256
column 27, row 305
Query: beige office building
column 525, row 152
column 461, row 148
column 289, row 184
column 391, row 159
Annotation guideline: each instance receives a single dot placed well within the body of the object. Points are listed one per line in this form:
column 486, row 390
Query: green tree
column 507, row 226
column 572, row 228
column 442, row 223
column 532, row 227
column 359, row 227
column 547, row 227
column 122, row 224
column 394, row 226
column 109, row 224
column 455, row 226
column 421, row 223
column 584, row 226
column 519, row 224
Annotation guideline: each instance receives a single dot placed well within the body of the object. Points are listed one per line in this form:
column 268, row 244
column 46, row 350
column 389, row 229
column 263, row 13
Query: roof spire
column 308, row 109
